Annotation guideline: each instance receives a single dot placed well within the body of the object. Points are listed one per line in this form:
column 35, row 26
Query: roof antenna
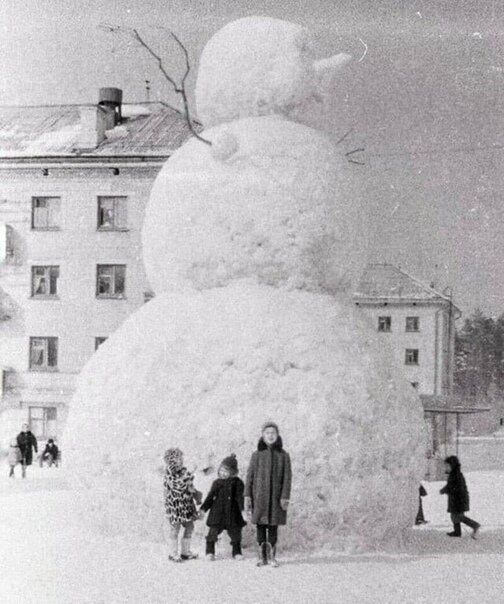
column 147, row 90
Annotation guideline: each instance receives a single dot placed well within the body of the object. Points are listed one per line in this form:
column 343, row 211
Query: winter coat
column 180, row 496
column 51, row 450
column 26, row 442
column 269, row 481
column 458, row 495
column 14, row 456
column 225, row 502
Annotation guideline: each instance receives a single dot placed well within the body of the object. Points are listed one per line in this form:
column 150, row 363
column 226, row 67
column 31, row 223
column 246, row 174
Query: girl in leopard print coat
column 180, row 498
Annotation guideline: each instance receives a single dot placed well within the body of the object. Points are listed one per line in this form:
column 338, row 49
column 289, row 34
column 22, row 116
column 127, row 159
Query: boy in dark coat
column 267, row 490
column 225, row 502
column 26, row 442
column 50, row 453
column 458, row 498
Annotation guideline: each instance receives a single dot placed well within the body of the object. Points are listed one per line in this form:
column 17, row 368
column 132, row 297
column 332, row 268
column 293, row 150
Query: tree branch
column 177, row 89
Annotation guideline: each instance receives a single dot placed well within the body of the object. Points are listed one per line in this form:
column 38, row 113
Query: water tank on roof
column 111, row 97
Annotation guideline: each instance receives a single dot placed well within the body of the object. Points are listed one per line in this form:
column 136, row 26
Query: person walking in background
column 225, row 502
column 26, row 442
column 13, row 457
column 180, row 497
column 458, row 498
column 267, row 490
column 420, row 518
column 50, row 454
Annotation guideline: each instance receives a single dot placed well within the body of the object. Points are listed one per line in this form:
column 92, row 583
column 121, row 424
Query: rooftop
column 388, row 282
column 148, row 129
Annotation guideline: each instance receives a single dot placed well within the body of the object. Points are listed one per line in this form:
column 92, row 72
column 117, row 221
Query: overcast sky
column 424, row 95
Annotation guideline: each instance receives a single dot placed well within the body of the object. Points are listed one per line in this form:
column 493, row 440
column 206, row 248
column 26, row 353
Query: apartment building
column 416, row 320
column 74, row 182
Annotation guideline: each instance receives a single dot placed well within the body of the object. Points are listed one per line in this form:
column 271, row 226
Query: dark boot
column 236, row 551
column 457, row 532
column 11, row 472
column 263, row 554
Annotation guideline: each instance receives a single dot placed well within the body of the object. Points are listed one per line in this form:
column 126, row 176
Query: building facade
column 416, row 321
column 74, row 185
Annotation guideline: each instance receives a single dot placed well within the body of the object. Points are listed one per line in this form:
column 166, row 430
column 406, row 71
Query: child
column 420, row 518
column 180, row 497
column 267, row 490
column 458, row 498
column 14, row 456
column 225, row 502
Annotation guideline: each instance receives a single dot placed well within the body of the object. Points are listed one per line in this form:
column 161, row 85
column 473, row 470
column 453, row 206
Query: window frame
column 114, row 227
column 46, row 368
column 388, row 323
column 114, row 295
column 49, row 268
column 47, row 227
column 414, row 318
column 416, row 357
column 46, row 434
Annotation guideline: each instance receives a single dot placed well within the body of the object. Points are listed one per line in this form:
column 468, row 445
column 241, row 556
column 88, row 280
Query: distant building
column 74, row 182
column 416, row 321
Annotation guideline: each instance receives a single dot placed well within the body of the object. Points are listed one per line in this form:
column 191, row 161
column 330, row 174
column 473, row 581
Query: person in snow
column 26, row 442
column 13, row 457
column 458, row 498
column 180, row 497
column 225, row 502
column 420, row 518
column 267, row 490
column 50, row 454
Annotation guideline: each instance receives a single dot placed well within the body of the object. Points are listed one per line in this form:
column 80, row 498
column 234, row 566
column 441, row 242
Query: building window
column 148, row 295
column 412, row 323
column 46, row 213
column 415, row 385
column 98, row 342
column 110, row 280
column 45, row 281
column 411, row 356
column 384, row 323
column 112, row 213
column 44, row 354
column 43, row 421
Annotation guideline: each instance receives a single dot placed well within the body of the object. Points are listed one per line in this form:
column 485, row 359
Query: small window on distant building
column 98, row 342
column 415, row 385
column 110, row 280
column 412, row 323
column 45, row 281
column 112, row 213
column 384, row 323
column 44, row 354
column 46, row 213
column 148, row 295
column 411, row 356
column 43, row 421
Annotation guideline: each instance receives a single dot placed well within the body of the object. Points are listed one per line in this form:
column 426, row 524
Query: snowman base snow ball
column 251, row 245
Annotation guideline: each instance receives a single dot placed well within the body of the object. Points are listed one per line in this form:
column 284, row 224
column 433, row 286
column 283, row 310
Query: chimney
column 96, row 119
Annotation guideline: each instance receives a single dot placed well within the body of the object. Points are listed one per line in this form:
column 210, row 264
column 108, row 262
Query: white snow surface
column 284, row 207
column 261, row 66
column 203, row 371
column 128, row 110
column 51, row 142
column 49, row 557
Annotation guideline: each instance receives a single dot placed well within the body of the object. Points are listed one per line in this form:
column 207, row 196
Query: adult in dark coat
column 26, row 443
column 458, row 497
column 225, row 502
column 268, row 487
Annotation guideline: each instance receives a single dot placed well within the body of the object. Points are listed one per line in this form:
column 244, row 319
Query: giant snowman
column 252, row 245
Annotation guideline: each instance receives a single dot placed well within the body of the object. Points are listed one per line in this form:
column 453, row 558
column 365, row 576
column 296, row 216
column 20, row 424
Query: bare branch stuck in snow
column 178, row 89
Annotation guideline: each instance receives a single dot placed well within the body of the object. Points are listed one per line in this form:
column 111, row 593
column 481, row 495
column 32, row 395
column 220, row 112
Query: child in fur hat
column 267, row 490
column 180, row 498
column 225, row 502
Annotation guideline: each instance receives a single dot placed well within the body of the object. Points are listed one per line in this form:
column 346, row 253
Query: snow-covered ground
column 47, row 558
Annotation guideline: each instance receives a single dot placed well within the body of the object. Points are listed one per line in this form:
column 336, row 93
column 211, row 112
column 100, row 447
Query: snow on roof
column 386, row 281
column 147, row 129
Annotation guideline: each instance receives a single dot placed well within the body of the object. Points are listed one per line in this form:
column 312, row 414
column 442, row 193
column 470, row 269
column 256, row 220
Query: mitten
column 284, row 504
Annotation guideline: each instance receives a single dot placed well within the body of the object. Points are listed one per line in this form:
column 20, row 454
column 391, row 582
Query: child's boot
column 272, row 555
column 11, row 472
column 210, row 551
column 186, row 553
column 457, row 532
column 174, row 555
column 236, row 551
column 263, row 554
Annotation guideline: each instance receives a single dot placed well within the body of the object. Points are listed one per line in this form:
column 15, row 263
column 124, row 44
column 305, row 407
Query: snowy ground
column 46, row 558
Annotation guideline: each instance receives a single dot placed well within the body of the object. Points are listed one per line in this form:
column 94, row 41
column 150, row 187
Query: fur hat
column 231, row 463
column 270, row 425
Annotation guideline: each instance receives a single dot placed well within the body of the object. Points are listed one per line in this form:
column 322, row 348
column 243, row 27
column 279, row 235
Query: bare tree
column 178, row 88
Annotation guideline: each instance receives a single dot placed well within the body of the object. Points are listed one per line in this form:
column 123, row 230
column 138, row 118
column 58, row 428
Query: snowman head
column 261, row 66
